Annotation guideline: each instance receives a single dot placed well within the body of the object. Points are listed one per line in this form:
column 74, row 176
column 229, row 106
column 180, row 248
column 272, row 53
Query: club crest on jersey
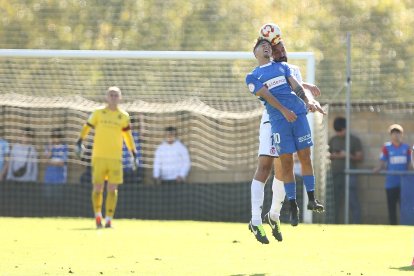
column 272, row 150
column 251, row 87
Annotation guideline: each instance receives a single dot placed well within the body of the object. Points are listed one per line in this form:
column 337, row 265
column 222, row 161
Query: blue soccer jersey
column 57, row 174
column 289, row 137
column 274, row 76
column 397, row 158
column 4, row 152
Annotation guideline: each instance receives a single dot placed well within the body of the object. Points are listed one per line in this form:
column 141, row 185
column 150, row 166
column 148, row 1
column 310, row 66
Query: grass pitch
column 58, row 246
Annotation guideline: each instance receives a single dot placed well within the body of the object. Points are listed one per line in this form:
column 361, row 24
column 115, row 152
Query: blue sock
column 309, row 182
column 290, row 189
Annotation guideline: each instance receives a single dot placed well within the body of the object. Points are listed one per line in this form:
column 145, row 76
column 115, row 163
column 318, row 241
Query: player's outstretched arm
column 310, row 102
column 316, row 92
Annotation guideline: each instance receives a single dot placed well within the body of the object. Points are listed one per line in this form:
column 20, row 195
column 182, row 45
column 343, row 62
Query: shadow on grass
column 404, row 268
column 86, row 229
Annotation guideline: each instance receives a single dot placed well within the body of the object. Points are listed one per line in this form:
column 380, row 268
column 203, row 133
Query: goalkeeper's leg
column 98, row 180
column 115, row 178
column 110, row 206
column 97, row 199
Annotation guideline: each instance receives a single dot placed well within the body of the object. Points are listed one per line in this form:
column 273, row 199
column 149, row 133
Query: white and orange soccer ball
column 271, row 32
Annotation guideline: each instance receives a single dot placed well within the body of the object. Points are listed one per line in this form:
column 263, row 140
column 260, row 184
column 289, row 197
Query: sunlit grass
column 57, row 246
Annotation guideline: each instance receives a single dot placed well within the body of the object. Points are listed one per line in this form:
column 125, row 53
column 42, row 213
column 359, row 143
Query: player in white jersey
column 268, row 155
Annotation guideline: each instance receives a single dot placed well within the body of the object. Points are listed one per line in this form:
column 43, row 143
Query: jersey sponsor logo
column 275, row 82
column 398, row 160
column 251, row 87
column 109, row 123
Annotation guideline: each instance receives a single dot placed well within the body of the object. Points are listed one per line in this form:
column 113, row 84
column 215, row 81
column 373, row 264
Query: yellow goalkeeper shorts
column 107, row 169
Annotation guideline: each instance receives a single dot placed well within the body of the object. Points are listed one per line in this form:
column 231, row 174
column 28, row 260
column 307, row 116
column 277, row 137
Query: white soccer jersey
column 266, row 144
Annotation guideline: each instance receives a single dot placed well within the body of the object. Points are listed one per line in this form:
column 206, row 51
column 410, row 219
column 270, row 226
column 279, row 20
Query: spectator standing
column 395, row 156
column 56, row 154
column 171, row 160
column 337, row 155
column 23, row 159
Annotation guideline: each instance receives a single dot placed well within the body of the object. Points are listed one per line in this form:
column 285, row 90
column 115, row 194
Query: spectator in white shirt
column 171, row 160
column 23, row 159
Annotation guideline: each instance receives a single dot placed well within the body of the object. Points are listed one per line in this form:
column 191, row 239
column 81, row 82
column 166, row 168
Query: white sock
column 257, row 197
column 108, row 218
column 277, row 198
column 99, row 214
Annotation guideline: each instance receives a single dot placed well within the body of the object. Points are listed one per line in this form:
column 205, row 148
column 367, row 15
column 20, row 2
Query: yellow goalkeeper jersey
column 109, row 127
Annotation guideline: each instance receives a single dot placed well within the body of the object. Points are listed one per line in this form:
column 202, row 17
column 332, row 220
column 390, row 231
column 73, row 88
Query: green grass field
column 57, row 246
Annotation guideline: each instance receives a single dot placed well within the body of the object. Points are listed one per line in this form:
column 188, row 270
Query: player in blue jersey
column 395, row 156
column 273, row 83
column 268, row 156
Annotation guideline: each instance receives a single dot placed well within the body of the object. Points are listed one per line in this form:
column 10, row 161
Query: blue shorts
column 291, row 137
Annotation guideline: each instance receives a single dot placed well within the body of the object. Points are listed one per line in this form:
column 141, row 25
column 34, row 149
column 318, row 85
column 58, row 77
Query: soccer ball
column 271, row 32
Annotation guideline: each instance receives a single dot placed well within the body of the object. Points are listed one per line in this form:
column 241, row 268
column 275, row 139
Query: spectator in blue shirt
column 395, row 156
column 56, row 154
column 4, row 158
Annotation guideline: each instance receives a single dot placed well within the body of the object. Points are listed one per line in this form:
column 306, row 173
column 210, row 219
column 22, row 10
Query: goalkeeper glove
column 79, row 148
column 135, row 161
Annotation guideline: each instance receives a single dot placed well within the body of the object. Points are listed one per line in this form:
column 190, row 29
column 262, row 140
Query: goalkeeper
column 112, row 126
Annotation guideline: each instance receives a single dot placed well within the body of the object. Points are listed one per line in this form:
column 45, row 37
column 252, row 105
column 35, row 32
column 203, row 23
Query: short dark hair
column 57, row 133
column 132, row 120
column 339, row 123
column 258, row 41
column 28, row 131
column 171, row 129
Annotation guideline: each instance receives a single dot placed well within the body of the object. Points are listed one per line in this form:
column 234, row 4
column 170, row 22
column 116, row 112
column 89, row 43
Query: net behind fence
column 204, row 97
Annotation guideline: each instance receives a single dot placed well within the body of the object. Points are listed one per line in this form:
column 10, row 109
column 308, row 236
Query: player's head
column 28, row 134
column 262, row 49
column 339, row 124
column 170, row 134
column 396, row 132
column 113, row 95
column 279, row 52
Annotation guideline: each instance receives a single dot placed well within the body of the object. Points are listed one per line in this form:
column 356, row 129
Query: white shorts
column 267, row 146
